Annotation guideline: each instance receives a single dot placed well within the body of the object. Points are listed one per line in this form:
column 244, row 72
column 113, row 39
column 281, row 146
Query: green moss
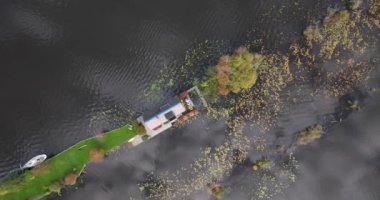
column 72, row 160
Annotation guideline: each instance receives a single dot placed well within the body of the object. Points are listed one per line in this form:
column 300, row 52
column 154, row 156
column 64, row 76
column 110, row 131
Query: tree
column 232, row 73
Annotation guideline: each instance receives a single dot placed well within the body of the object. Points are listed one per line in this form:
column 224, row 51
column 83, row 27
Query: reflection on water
column 344, row 165
column 69, row 70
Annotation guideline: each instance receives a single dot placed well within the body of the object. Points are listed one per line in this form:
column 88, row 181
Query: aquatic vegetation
column 262, row 164
column 345, row 36
column 216, row 190
column 197, row 60
column 212, row 167
column 254, row 104
column 65, row 167
column 340, row 30
column 351, row 77
column 354, row 105
column 334, row 30
column 309, row 135
column 353, row 4
column 374, row 8
column 268, row 186
column 262, row 103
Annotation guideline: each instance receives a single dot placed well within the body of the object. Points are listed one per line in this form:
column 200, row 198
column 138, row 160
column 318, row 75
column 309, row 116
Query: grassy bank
column 64, row 168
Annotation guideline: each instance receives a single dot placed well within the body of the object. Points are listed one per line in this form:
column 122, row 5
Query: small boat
column 34, row 161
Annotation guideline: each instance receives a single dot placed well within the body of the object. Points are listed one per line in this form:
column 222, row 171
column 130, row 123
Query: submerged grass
column 55, row 173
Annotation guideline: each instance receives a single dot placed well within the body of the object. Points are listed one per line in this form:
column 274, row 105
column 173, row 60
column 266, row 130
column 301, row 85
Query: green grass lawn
column 49, row 176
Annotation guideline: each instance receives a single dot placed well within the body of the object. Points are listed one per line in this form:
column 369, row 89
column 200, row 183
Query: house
column 163, row 120
column 179, row 108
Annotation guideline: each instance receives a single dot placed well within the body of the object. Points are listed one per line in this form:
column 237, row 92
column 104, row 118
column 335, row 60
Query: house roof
column 177, row 109
column 153, row 123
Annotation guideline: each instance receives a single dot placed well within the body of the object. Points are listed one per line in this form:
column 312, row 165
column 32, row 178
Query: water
column 69, row 69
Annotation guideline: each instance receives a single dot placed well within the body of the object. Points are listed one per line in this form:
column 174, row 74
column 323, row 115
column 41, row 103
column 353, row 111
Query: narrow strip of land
column 65, row 167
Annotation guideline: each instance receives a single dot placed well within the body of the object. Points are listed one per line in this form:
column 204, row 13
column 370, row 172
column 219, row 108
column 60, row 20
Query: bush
column 145, row 137
column 139, row 127
column 96, row 155
column 70, row 179
column 55, row 187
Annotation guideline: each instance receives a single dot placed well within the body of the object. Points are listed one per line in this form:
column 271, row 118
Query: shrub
column 145, row 137
column 55, row 187
column 96, row 155
column 70, row 179
column 139, row 127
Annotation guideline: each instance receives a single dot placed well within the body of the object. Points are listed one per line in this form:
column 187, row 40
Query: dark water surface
column 69, row 69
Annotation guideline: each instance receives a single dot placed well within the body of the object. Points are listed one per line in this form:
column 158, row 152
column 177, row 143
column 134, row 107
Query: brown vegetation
column 96, row 155
column 186, row 117
column 41, row 169
column 70, row 179
column 35, row 198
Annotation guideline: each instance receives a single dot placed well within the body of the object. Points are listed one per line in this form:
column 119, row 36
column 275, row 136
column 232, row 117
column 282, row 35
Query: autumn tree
column 233, row 73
